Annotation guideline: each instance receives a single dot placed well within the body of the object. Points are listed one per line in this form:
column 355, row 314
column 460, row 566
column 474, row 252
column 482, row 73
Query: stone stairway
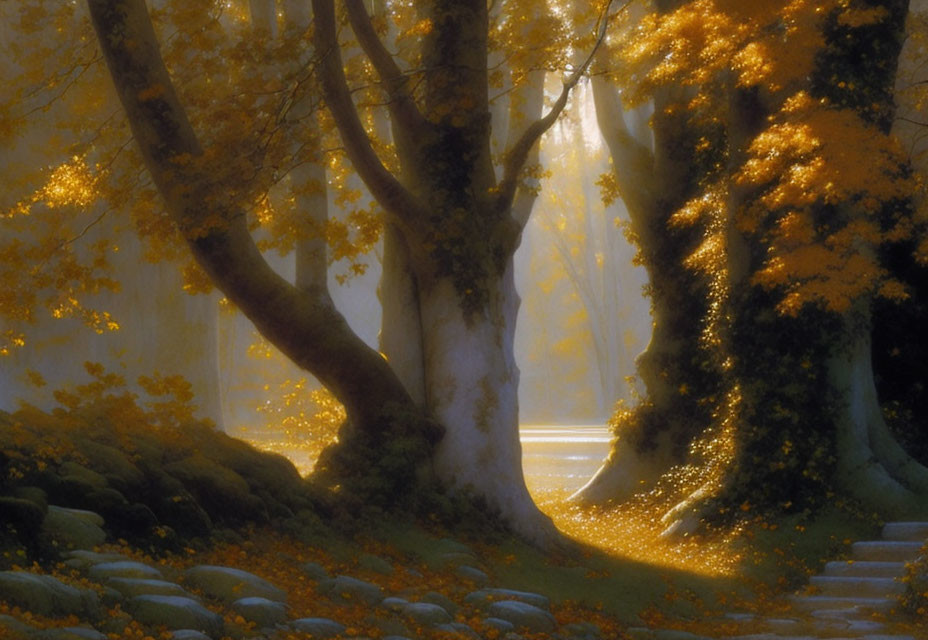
column 853, row 598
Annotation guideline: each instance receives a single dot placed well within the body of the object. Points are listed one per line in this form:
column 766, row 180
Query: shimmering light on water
column 562, row 457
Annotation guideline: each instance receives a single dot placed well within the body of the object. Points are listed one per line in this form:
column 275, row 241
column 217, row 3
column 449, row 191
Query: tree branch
column 392, row 196
column 401, row 104
column 303, row 325
column 518, row 154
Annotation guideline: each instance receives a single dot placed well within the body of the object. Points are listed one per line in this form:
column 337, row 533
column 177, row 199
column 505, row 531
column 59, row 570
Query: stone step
column 848, row 628
column 886, row 550
column 773, row 636
column 856, row 586
column 906, row 531
column 851, row 605
column 865, row 569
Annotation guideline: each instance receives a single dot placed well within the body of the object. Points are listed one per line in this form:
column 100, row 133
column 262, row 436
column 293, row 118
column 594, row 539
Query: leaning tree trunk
column 302, row 323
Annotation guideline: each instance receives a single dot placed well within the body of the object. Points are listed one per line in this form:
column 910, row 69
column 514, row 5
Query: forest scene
column 463, row 319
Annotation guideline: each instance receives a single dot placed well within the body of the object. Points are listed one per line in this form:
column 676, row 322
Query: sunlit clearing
column 300, row 423
column 633, row 531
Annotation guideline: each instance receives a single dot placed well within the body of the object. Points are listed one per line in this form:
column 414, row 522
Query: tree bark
column 675, row 369
column 303, row 324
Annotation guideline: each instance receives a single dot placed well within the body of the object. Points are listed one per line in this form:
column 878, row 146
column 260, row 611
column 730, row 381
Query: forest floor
column 440, row 580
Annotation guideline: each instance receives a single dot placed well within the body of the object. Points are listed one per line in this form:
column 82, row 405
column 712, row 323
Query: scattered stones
column 375, row 564
column 348, row 589
column 318, row 627
column 70, row 633
column 82, row 558
column 123, row 569
column 175, row 612
column 433, row 597
column 263, row 612
column 499, row 624
column 458, row 629
column 74, row 528
column 131, row 587
column 189, row 634
column 315, row 571
column 473, row 574
column 229, row 585
column 24, row 516
column 46, row 595
column 394, row 604
column 486, row 596
column 11, row 627
column 523, row 615
column 427, row 614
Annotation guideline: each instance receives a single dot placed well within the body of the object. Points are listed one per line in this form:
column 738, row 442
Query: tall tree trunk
column 674, row 368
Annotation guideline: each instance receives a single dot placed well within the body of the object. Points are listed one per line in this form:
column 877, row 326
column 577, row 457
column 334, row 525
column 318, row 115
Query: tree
column 460, row 224
column 807, row 188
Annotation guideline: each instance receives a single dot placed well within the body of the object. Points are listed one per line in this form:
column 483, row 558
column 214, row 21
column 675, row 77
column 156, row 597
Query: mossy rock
column 71, row 469
column 120, row 472
column 184, row 514
column 222, row 492
column 21, row 518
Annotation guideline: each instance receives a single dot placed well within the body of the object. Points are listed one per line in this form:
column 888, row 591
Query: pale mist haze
column 582, row 321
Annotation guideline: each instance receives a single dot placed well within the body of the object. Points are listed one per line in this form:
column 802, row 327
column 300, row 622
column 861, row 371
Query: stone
column 175, row 612
column 581, row 630
column 375, row 564
column 228, row 584
column 82, row 558
column 189, row 634
column 120, row 472
column 675, row 634
column 263, row 612
column 222, row 492
column 73, row 469
column 70, row 633
column 123, row 569
column 443, row 601
column 347, row 589
column 45, row 595
column 318, row 627
column 315, row 571
column 475, row 575
column 11, row 627
column 523, row 615
column 499, row 624
column 486, row 596
column 131, row 587
column 74, row 528
column 451, row 559
column 32, row 494
column 450, row 545
column 458, row 629
column 394, row 604
column 427, row 614
column 24, row 516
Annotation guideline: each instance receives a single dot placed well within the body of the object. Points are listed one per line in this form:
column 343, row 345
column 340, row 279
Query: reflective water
column 562, row 456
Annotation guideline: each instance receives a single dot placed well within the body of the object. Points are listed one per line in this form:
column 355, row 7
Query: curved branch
column 518, row 154
column 383, row 185
column 401, row 104
column 303, row 325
